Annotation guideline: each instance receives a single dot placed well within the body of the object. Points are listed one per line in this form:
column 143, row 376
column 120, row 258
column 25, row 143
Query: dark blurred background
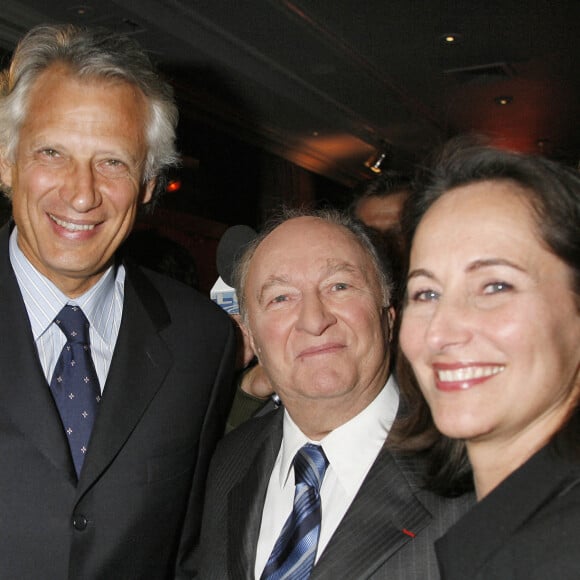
column 292, row 103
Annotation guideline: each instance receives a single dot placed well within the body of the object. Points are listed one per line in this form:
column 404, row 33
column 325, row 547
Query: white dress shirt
column 351, row 450
column 102, row 305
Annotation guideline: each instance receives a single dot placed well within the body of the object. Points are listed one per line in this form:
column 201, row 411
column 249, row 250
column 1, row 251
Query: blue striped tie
column 293, row 555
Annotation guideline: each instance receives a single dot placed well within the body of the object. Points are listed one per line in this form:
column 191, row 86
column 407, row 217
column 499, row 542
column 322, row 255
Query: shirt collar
column 43, row 300
column 352, row 446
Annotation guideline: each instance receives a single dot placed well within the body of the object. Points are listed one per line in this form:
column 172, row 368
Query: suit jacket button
column 80, row 523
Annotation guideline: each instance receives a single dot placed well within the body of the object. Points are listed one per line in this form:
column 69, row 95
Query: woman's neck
column 493, row 461
column 495, row 456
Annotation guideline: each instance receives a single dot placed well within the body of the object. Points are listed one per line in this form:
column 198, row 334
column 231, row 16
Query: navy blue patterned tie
column 74, row 384
column 295, row 550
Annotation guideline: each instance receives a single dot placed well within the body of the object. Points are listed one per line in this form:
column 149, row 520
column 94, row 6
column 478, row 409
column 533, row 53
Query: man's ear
column 148, row 190
column 245, row 349
column 390, row 315
column 250, row 338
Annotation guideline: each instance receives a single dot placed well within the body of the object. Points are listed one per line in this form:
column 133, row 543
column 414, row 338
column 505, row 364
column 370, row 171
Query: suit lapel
column 25, row 396
column 140, row 363
column 376, row 524
column 246, row 501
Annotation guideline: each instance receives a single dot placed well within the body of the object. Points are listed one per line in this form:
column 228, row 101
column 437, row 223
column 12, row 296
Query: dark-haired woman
column 491, row 328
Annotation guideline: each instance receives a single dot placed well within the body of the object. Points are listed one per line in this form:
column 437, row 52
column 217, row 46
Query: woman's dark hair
column 552, row 192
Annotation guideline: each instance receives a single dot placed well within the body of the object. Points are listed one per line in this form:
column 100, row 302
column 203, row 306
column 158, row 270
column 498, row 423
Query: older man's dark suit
column 136, row 509
column 388, row 531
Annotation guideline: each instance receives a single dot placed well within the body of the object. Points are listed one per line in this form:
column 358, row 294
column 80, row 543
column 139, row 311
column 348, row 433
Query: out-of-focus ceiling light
column 450, row 38
column 504, row 100
column 375, row 163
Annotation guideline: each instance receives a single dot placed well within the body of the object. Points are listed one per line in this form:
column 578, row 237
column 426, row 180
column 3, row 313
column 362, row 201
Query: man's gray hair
column 331, row 216
column 88, row 54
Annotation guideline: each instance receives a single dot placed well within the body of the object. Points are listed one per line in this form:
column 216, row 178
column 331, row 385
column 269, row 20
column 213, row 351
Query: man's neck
column 317, row 417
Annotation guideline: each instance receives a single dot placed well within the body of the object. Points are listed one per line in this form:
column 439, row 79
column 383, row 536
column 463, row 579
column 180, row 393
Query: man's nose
column 80, row 189
column 315, row 316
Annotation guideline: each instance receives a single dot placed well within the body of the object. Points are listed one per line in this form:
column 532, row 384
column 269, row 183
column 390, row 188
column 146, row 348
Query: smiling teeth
column 468, row 373
column 72, row 227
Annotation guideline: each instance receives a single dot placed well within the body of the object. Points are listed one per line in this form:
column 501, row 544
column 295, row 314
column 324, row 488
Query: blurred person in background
column 378, row 204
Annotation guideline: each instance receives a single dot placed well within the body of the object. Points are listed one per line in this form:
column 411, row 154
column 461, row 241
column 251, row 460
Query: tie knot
column 73, row 322
column 310, row 465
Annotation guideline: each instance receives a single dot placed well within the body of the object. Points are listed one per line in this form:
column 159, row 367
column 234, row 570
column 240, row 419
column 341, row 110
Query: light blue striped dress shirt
column 102, row 305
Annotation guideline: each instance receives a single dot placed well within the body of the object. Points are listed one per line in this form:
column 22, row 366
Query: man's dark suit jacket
column 528, row 528
column 136, row 509
column 388, row 531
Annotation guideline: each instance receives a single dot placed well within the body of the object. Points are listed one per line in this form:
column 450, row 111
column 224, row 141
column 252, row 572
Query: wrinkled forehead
column 304, row 248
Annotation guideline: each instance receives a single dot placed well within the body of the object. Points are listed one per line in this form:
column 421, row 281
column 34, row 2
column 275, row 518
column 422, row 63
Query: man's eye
column 50, row 152
column 281, row 298
column 340, row 286
column 113, row 164
column 112, row 168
